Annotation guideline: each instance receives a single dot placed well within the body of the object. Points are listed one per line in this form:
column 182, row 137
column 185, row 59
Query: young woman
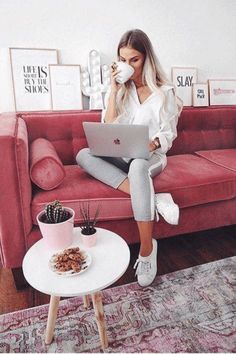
column 146, row 98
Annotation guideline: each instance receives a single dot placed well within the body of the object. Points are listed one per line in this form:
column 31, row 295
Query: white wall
column 199, row 33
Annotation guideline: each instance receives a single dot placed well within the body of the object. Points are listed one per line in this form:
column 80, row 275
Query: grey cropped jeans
column 113, row 171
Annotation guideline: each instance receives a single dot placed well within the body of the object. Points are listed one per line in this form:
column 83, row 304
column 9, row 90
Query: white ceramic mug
column 126, row 71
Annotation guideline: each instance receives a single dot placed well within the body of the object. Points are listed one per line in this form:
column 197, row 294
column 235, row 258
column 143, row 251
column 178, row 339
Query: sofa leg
column 19, row 279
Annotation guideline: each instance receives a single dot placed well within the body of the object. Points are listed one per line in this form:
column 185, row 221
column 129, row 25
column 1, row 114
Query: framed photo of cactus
column 30, row 77
column 65, row 87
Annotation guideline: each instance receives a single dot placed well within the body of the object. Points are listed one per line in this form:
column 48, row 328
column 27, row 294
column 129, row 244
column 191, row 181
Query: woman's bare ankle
column 145, row 251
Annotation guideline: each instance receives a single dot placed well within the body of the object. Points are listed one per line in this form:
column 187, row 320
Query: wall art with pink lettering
column 65, row 87
column 222, row 92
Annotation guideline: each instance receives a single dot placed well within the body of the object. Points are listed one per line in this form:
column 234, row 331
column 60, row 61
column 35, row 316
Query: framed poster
column 183, row 79
column 65, row 83
column 30, row 76
column 200, row 95
column 222, row 92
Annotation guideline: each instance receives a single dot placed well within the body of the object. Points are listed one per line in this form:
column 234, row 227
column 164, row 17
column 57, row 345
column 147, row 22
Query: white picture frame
column 183, row 78
column 30, row 77
column 65, row 84
column 200, row 95
column 222, row 92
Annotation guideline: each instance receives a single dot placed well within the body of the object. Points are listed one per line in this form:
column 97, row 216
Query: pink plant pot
column 89, row 240
column 57, row 236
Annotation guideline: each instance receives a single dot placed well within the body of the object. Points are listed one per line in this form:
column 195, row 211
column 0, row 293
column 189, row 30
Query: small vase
column 89, row 240
column 59, row 235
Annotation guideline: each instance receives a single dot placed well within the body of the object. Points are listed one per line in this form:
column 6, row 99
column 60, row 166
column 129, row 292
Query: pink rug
column 192, row 310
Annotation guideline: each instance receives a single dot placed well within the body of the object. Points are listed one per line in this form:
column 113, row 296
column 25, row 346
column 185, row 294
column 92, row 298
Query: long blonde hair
column 153, row 75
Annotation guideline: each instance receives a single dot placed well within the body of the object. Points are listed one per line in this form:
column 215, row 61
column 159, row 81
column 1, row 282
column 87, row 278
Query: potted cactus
column 88, row 230
column 56, row 225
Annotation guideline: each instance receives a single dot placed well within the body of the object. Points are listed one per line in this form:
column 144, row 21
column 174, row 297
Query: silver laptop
column 117, row 140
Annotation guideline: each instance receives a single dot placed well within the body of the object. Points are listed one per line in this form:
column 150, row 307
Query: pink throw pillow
column 46, row 168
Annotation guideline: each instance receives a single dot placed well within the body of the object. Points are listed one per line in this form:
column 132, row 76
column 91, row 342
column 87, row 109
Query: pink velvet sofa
column 200, row 175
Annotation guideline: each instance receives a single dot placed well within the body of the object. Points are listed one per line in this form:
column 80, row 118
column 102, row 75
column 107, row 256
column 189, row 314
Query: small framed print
column 200, row 95
column 65, row 83
column 222, row 92
column 183, row 79
column 29, row 68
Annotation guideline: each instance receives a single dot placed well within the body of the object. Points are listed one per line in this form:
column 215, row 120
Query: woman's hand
column 115, row 86
column 154, row 144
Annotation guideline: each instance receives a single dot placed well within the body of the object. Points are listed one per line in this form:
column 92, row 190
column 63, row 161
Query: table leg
column 86, row 300
column 52, row 316
column 100, row 318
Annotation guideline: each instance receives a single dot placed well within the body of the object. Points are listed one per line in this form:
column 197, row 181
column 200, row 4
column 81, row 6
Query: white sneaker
column 166, row 207
column 147, row 266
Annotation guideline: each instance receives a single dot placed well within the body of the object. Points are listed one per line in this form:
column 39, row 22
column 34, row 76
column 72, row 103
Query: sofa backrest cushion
column 203, row 128
column 63, row 129
column 46, row 168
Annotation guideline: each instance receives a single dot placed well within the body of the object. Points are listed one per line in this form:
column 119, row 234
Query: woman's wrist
column 152, row 146
column 156, row 142
column 113, row 93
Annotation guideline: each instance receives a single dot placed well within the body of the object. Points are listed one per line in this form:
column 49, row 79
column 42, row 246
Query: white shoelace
column 142, row 267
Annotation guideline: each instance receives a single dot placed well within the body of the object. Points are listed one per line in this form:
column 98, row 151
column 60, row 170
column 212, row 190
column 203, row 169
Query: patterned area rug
column 192, row 310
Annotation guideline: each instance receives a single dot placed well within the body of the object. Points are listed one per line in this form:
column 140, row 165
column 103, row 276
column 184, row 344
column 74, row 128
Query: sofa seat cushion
column 78, row 187
column 46, row 168
column 223, row 157
column 193, row 180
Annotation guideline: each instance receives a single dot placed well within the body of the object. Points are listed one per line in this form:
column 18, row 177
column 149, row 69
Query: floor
column 174, row 254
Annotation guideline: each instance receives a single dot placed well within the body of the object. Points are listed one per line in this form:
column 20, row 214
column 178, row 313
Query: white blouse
column 161, row 118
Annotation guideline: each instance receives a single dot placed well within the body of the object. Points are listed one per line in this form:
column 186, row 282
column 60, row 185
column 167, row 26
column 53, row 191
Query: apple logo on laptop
column 116, row 141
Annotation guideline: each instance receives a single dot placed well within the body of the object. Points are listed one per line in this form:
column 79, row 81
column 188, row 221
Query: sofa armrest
column 15, row 190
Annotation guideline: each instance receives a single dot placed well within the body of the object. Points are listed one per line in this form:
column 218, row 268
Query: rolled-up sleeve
column 169, row 115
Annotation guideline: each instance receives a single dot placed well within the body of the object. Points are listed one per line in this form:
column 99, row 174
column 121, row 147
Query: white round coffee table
column 110, row 259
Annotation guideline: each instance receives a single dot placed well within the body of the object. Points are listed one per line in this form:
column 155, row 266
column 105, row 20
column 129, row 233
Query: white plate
column 87, row 262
